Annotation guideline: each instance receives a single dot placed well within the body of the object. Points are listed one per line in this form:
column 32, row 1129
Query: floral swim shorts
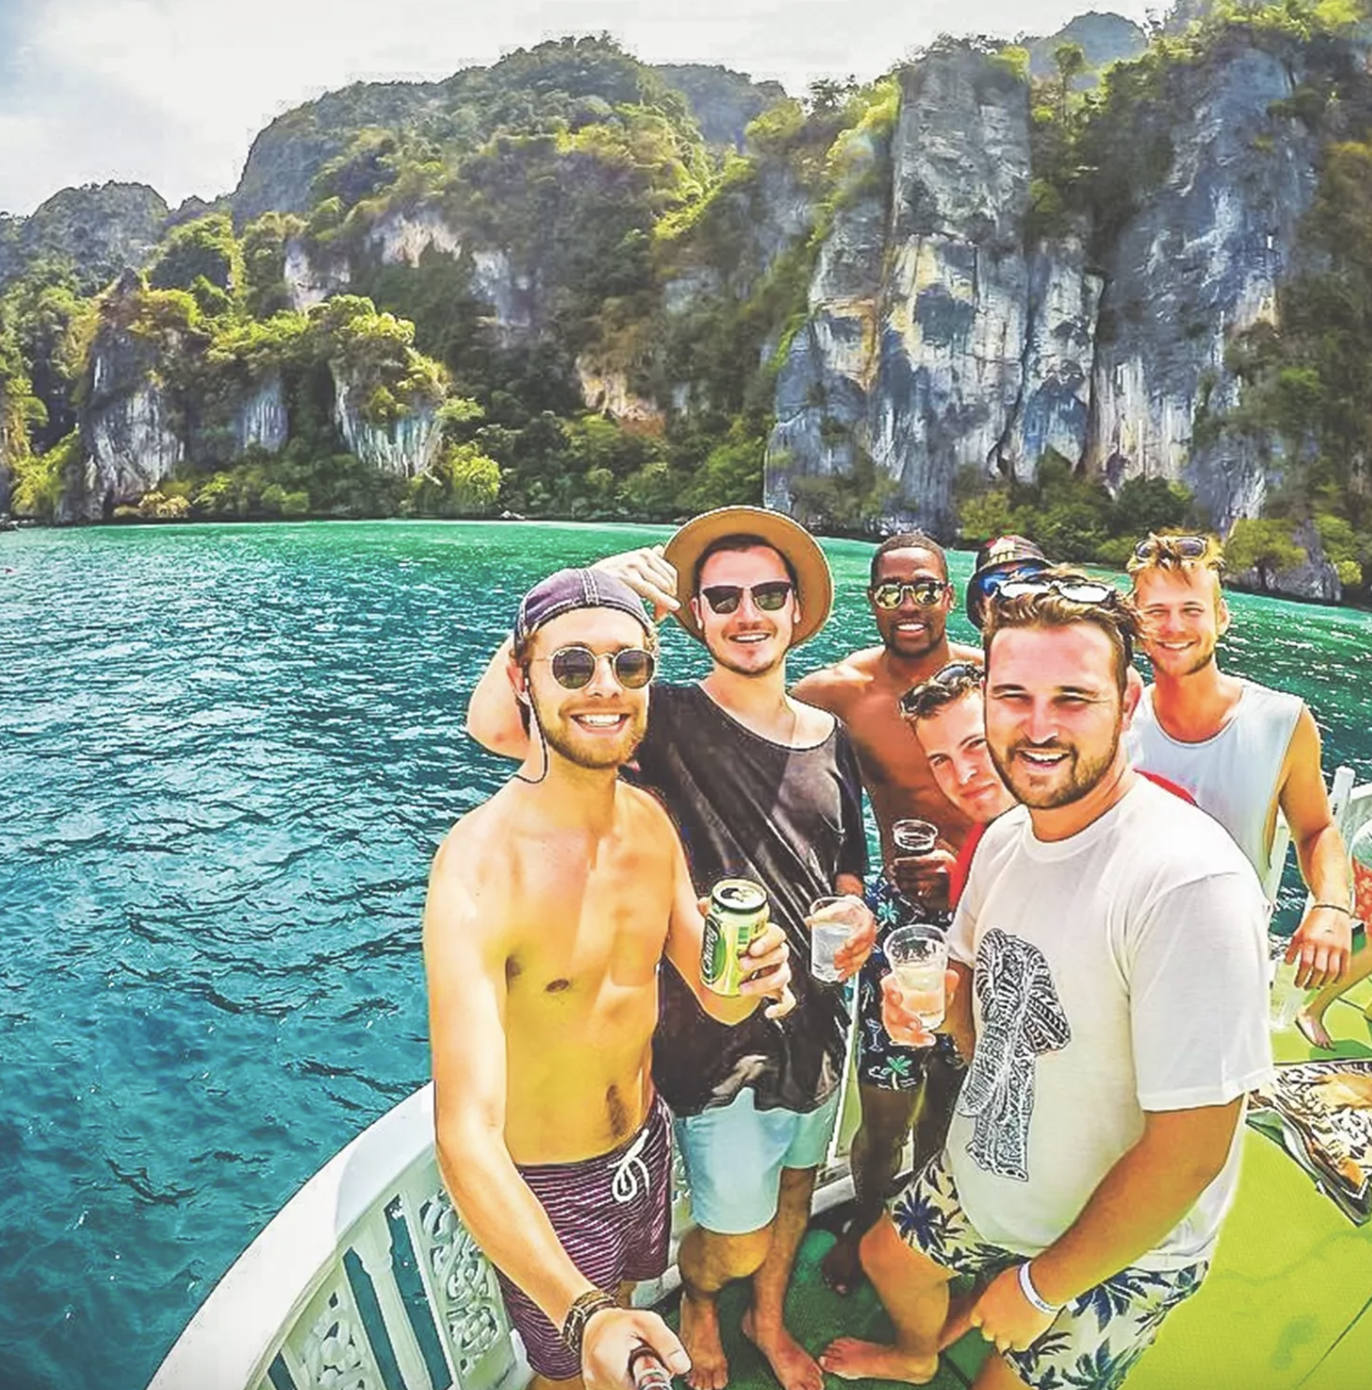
column 1096, row 1339
column 888, row 1065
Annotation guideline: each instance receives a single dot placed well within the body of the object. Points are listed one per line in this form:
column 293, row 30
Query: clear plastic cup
column 831, row 921
column 911, row 836
column 918, row 956
column 1286, row 997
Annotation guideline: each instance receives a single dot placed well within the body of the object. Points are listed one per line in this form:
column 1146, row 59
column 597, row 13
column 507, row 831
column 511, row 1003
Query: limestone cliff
column 98, row 229
column 403, row 447
column 1200, row 262
column 921, row 320
column 945, row 333
column 130, row 427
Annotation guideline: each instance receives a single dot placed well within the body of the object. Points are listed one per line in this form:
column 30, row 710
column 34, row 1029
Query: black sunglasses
column 769, row 596
column 575, row 667
column 1188, row 547
column 891, row 593
column 949, row 677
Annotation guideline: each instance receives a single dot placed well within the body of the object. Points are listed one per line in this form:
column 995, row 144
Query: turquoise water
column 228, row 755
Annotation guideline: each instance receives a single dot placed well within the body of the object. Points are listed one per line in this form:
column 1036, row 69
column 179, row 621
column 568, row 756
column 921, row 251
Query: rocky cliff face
column 99, row 229
column 286, row 156
column 1199, row 263
column 131, row 431
column 722, row 101
column 405, row 447
column 938, row 340
column 922, row 324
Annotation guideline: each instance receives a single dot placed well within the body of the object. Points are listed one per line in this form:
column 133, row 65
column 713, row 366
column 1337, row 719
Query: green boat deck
column 1288, row 1302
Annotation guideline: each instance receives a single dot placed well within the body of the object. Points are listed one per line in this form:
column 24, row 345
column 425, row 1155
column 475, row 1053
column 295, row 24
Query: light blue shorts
column 734, row 1155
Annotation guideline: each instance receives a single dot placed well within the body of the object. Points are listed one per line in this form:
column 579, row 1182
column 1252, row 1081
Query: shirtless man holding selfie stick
column 550, row 909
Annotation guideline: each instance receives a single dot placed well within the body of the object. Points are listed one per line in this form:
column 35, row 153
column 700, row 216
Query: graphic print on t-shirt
column 1021, row 1017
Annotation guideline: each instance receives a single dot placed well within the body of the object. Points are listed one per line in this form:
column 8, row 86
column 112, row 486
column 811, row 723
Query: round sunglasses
column 891, row 593
column 574, row 667
column 769, row 596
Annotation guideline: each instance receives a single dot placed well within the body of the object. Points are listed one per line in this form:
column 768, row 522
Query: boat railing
column 368, row 1280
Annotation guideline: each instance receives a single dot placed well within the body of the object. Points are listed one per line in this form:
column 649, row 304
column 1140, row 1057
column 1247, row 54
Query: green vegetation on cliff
column 559, row 286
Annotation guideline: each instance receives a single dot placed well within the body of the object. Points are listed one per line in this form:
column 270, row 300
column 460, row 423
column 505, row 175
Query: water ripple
column 229, row 753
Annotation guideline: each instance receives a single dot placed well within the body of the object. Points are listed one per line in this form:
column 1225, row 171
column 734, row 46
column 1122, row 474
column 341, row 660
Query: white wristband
column 1026, row 1287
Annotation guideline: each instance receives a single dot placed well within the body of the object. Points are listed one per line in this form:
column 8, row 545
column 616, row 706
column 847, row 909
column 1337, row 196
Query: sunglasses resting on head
column 956, row 673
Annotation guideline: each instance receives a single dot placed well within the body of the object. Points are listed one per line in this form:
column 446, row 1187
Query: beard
column 1196, row 661
column 595, row 752
column 735, row 659
column 1061, row 785
column 913, row 644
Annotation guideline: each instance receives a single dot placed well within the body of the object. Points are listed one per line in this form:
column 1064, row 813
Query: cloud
column 172, row 92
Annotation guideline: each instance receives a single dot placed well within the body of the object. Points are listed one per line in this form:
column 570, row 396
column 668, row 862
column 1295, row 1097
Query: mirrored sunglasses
column 891, row 593
column 949, row 677
column 574, row 667
column 1188, row 547
column 769, row 596
column 1075, row 590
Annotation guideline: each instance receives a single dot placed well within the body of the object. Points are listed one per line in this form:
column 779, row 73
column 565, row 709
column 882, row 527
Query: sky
column 172, row 92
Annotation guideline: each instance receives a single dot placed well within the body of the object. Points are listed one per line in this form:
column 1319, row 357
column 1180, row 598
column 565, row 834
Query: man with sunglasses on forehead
column 1241, row 749
column 910, row 598
column 1109, row 964
column 764, row 787
column 549, row 910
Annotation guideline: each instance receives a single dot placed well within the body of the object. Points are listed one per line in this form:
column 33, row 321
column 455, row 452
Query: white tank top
column 1234, row 774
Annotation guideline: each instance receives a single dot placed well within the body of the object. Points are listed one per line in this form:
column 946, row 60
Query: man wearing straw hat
column 764, row 787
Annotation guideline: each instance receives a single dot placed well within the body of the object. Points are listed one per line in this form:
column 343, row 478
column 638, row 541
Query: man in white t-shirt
column 1109, row 954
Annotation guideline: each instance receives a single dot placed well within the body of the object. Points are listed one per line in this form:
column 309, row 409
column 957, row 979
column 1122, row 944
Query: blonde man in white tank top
column 1240, row 749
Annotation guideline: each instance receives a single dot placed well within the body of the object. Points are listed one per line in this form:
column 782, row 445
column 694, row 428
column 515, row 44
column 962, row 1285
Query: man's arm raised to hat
column 493, row 717
column 648, row 574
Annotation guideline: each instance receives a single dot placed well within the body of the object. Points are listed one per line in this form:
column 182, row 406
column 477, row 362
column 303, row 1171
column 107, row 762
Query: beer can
column 738, row 913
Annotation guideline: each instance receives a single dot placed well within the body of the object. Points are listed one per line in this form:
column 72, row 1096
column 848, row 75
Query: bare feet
column 1313, row 1029
column 959, row 1311
column 841, row 1267
column 792, row 1365
column 856, row 1360
column 700, row 1336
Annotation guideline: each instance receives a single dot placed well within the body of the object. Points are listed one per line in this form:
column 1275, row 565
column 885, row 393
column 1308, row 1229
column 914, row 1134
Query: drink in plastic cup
column 914, row 837
column 918, row 957
column 831, row 922
column 1286, row 998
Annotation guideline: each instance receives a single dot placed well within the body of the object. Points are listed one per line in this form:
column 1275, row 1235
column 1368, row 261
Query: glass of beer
column 918, row 956
column 916, row 837
column 831, row 921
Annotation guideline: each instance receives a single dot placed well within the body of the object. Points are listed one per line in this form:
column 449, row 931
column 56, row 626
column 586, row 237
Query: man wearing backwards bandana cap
column 549, row 910
column 766, row 788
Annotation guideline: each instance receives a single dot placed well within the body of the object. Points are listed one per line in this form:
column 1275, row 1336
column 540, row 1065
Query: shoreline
column 1353, row 605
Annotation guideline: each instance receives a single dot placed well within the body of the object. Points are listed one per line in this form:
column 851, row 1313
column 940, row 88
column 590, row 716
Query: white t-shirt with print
column 1117, row 971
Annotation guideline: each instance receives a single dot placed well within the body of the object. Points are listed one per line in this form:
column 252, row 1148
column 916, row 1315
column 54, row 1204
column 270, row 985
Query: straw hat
column 815, row 585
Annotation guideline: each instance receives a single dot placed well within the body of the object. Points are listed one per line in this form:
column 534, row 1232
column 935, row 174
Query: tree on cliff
column 1263, row 544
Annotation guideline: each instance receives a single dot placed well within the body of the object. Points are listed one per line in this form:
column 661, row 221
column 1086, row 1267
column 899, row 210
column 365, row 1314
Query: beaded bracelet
column 1026, row 1287
column 584, row 1307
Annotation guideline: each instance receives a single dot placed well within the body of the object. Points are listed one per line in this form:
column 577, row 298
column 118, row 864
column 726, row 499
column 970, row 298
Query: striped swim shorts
column 613, row 1215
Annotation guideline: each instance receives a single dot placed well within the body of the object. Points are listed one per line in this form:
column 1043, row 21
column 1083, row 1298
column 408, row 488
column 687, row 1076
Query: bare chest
column 591, row 927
